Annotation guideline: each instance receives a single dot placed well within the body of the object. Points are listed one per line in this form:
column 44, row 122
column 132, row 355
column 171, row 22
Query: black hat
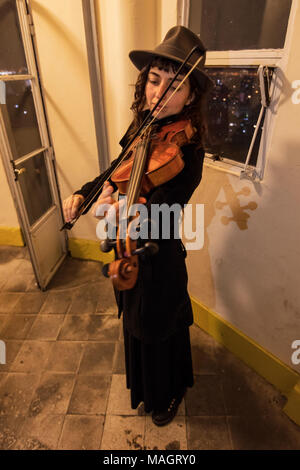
column 177, row 44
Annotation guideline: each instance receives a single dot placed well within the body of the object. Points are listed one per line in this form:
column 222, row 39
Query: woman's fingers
column 71, row 205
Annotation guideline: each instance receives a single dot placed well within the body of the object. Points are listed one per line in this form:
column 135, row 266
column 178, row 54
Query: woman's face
column 157, row 82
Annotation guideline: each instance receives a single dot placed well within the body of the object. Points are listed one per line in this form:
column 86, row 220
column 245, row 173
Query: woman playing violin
column 157, row 311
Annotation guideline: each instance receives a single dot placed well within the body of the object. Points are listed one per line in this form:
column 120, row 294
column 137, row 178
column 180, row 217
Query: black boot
column 160, row 418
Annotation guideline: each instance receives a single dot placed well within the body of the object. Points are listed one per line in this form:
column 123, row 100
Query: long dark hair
column 195, row 111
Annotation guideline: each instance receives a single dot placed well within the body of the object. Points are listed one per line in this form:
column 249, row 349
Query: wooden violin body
column 164, row 161
column 148, row 164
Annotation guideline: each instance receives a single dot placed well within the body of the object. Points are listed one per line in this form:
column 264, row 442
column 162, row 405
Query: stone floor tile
column 97, row 358
column 17, row 326
column 119, row 402
column 205, row 398
column 40, row 433
column 12, row 349
column 32, row 357
column 9, row 430
column 90, row 327
column 46, row 327
column 8, row 266
column 30, row 302
column 9, row 252
column 65, row 356
column 103, row 328
column 106, row 299
column 81, row 433
column 85, row 298
column 57, row 302
column 25, row 267
column 16, row 392
column 247, row 393
column 75, row 272
column 17, row 283
column 119, row 359
column 8, row 301
column 52, row 396
column 75, row 328
column 4, row 319
column 90, row 395
column 208, row 433
column 172, row 436
column 203, row 352
column 264, row 432
column 123, row 433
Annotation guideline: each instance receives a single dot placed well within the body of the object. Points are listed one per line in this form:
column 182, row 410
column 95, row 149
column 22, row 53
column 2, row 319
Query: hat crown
column 177, row 44
column 179, row 41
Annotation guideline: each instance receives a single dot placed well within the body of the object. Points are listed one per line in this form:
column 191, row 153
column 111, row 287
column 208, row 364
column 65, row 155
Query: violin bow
column 85, row 205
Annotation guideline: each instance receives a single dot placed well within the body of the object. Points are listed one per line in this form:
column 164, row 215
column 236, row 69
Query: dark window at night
column 234, row 104
column 233, row 108
column 240, row 24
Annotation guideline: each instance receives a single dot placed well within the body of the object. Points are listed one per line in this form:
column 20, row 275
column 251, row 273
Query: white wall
column 248, row 271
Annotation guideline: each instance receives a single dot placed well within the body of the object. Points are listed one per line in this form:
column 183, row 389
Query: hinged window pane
column 12, row 55
column 233, row 106
column 240, row 24
column 20, row 118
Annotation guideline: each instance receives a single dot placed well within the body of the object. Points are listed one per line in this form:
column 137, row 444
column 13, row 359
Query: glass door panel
column 21, row 120
column 34, row 184
column 12, row 55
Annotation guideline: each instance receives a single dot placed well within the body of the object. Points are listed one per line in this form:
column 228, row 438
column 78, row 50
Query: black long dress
column 157, row 312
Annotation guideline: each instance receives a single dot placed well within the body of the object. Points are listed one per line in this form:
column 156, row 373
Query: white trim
column 183, row 12
column 13, row 78
column 249, row 57
column 17, row 161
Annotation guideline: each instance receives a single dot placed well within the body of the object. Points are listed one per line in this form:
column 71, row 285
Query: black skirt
column 156, row 373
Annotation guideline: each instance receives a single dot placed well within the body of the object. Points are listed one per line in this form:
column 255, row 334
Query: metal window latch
column 265, row 75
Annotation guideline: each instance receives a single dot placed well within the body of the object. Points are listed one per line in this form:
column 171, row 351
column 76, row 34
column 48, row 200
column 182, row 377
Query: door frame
column 27, row 32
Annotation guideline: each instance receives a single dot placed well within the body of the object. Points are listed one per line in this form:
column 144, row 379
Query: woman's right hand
column 104, row 198
column 71, row 206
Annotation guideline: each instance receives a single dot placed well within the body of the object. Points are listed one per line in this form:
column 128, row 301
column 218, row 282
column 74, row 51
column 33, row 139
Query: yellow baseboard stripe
column 11, row 236
column 262, row 361
column 89, row 249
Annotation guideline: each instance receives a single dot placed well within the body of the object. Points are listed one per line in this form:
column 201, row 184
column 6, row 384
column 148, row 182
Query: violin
column 151, row 158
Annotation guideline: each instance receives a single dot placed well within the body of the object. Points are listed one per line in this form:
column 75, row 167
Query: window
column 240, row 37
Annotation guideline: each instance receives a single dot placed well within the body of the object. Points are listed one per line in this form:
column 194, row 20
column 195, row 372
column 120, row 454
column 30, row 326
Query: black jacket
column 159, row 303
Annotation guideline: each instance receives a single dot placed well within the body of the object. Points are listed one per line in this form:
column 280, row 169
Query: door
column 27, row 155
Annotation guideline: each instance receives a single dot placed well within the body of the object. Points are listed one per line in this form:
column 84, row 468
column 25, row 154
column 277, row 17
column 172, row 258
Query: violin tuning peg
column 105, row 270
column 148, row 249
column 106, row 245
column 151, row 248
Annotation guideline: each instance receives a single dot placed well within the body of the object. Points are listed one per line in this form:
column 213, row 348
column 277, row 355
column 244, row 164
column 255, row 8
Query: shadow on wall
column 218, row 195
column 249, row 265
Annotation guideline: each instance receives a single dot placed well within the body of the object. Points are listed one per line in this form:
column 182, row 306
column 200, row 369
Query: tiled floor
column 63, row 386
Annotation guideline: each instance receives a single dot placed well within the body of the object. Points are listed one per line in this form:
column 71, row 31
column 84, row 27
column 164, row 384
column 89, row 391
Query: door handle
column 18, row 172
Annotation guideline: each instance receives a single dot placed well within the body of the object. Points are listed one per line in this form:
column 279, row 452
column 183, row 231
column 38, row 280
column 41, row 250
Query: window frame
column 276, row 58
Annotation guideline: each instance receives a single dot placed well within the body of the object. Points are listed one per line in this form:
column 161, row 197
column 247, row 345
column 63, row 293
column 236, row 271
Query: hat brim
column 142, row 58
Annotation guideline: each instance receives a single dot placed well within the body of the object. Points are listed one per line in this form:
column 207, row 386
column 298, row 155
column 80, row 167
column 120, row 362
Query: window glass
column 34, row 183
column 240, row 24
column 233, row 108
column 12, row 55
column 20, row 116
